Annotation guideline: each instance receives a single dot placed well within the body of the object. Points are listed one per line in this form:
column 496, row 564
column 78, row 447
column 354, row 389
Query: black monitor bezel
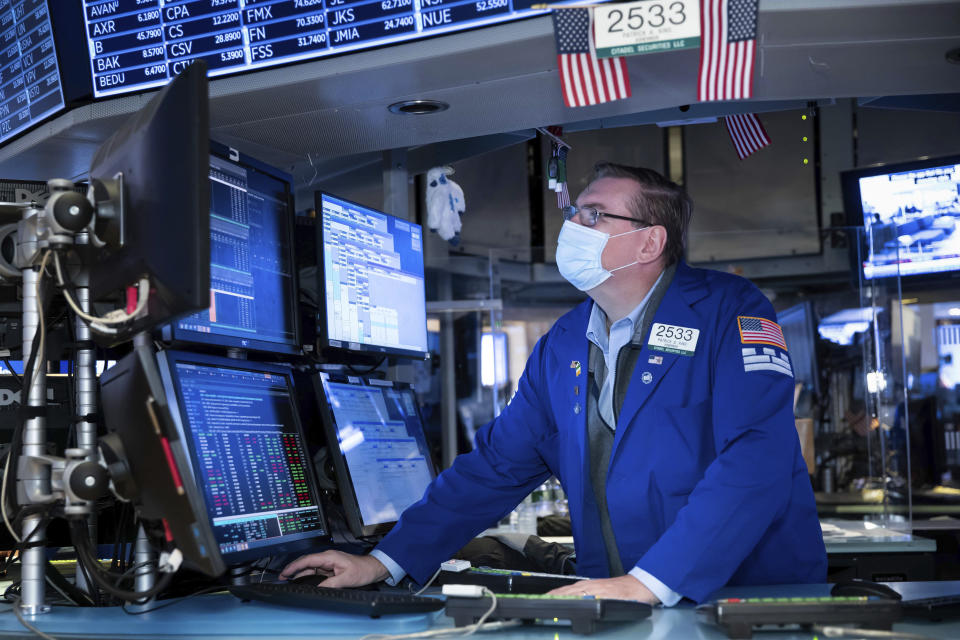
column 348, row 496
column 323, row 330
column 180, row 337
column 853, row 210
column 166, row 361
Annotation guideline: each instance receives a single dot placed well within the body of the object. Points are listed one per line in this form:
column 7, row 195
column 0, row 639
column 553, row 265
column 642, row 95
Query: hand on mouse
column 343, row 569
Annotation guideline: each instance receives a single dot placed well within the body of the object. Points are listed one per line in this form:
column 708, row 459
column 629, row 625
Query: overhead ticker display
column 138, row 44
column 30, row 87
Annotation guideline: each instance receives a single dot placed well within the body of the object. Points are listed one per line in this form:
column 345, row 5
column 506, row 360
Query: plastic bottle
column 527, row 517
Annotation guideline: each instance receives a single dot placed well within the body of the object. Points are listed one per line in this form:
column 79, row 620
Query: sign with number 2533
column 646, row 26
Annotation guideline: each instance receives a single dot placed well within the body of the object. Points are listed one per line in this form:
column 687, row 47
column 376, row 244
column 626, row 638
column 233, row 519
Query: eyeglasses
column 590, row 215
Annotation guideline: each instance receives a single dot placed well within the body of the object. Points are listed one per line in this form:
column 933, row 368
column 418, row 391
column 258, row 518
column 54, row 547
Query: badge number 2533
column 646, row 26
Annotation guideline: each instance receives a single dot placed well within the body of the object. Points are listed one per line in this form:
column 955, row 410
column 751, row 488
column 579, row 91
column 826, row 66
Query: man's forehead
column 607, row 191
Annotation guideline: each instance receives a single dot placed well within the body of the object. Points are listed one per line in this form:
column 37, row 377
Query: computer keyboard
column 371, row 603
column 739, row 616
column 935, row 609
column 584, row 612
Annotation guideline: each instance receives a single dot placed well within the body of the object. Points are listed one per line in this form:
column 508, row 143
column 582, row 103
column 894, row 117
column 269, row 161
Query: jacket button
column 576, row 408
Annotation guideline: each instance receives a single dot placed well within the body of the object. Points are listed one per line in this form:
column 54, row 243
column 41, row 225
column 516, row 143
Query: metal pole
column 32, row 478
column 144, row 555
column 145, row 576
column 448, row 371
column 85, row 383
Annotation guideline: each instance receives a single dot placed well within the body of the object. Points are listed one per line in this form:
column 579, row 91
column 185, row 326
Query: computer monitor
column 150, row 183
column 215, row 449
column 909, row 212
column 370, row 291
column 799, row 326
column 380, row 454
column 253, row 285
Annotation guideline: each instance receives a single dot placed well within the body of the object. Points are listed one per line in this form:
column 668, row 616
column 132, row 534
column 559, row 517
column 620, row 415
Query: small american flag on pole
column 760, row 331
column 746, row 132
column 585, row 79
column 728, row 49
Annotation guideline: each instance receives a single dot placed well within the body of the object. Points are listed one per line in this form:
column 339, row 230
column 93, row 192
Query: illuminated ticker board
column 30, row 88
column 137, row 44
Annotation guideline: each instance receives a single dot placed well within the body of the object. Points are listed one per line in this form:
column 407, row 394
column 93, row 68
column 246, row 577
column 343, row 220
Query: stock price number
column 490, row 5
column 397, row 23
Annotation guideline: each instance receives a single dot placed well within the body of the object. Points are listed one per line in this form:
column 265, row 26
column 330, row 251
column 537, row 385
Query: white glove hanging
column 445, row 204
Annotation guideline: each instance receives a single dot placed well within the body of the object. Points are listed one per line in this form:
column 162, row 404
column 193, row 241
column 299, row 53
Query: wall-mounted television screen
column 909, row 212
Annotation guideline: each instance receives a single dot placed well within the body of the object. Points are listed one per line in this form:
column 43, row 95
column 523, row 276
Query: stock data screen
column 251, row 263
column 248, row 455
column 380, row 437
column 29, row 75
column 373, row 280
column 137, row 44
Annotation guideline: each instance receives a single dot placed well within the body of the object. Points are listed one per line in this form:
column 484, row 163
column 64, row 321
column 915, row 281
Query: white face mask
column 580, row 255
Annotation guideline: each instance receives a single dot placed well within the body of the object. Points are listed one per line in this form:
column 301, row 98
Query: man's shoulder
column 720, row 285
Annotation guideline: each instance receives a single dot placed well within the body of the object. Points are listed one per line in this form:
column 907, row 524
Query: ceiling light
column 418, row 107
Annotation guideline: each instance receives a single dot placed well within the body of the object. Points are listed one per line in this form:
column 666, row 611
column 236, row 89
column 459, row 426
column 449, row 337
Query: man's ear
column 653, row 245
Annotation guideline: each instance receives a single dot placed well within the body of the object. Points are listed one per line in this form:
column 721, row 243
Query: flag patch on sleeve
column 760, row 331
column 766, row 359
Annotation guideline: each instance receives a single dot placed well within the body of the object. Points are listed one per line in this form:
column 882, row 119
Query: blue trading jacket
column 706, row 485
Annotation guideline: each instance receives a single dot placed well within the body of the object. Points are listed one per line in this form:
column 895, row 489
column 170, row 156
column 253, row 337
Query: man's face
column 613, row 195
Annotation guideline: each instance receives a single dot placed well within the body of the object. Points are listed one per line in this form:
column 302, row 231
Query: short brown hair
column 660, row 201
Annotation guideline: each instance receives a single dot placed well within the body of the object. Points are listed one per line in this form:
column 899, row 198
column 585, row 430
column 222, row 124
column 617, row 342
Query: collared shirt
column 620, row 335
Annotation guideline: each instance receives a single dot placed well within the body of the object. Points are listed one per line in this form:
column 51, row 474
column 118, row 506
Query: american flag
column 760, row 331
column 746, row 132
column 584, row 79
column 727, row 49
column 563, row 196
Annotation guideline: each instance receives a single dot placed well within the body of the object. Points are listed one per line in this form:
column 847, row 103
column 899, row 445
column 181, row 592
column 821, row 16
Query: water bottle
column 543, row 500
column 527, row 517
column 560, row 506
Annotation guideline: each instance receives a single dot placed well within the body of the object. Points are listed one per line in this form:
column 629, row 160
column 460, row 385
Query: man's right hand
column 343, row 569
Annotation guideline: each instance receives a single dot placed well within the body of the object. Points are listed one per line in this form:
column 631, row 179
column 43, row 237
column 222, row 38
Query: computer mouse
column 314, row 579
column 858, row 587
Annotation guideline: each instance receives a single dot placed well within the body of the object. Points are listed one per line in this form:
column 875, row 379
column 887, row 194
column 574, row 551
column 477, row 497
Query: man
column 664, row 406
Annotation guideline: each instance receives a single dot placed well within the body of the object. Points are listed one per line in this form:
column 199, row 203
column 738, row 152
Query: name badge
column 673, row 339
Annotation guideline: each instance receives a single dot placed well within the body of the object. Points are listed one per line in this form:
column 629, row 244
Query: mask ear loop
column 626, row 233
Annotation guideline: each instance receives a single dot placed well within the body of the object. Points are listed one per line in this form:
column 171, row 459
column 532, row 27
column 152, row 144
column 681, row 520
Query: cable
column 363, row 372
column 462, row 632
column 29, row 370
column 201, row 592
column 117, row 316
column 429, row 582
column 23, row 621
column 848, row 632
column 86, row 556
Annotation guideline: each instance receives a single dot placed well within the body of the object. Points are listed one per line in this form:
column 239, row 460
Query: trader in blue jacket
column 664, row 406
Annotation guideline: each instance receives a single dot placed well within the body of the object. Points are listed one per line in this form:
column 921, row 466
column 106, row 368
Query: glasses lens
column 568, row 212
column 589, row 215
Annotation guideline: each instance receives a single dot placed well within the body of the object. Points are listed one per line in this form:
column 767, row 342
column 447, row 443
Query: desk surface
column 222, row 617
